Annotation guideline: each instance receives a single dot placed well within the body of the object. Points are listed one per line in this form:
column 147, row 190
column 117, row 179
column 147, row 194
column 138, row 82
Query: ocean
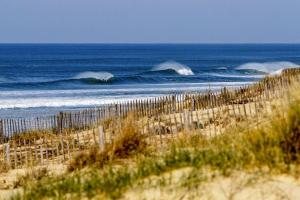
column 43, row 79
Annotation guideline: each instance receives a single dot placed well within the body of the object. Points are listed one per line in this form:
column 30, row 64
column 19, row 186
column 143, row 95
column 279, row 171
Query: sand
column 238, row 186
column 8, row 180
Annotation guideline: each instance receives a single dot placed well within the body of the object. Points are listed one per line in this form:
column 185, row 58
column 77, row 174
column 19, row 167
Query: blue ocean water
column 42, row 79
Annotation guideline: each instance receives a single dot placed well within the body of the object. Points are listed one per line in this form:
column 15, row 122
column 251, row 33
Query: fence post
column 62, row 147
column 41, row 153
column 1, row 132
column 15, row 154
column 60, row 122
column 7, row 154
column 159, row 131
column 186, row 120
column 101, row 139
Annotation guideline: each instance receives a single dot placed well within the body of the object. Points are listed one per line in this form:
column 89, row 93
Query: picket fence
column 27, row 142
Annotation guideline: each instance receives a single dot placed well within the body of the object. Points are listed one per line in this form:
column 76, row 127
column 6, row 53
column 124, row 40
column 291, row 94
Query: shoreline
column 22, row 110
column 162, row 122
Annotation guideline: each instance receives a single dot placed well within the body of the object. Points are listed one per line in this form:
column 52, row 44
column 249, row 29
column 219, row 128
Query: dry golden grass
column 31, row 177
column 128, row 141
column 3, row 167
column 92, row 157
column 30, row 136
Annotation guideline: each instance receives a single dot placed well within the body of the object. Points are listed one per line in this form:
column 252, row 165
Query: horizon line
column 159, row 43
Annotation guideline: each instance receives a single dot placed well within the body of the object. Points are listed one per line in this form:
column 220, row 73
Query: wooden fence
column 160, row 119
column 148, row 107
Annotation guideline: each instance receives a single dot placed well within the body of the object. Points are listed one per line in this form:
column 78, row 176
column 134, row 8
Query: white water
column 237, row 75
column 96, row 97
column 177, row 67
column 272, row 68
column 102, row 76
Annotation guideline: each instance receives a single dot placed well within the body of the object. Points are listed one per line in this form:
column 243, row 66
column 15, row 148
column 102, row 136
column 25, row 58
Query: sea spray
column 101, row 76
column 177, row 67
column 272, row 68
column 245, row 76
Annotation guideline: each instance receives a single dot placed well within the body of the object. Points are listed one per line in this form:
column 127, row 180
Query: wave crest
column 175, row 66
column 101, row 76
column 272, row 68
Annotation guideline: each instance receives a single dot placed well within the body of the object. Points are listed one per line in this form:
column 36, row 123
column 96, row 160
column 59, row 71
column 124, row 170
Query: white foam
column 103, row 76
column 272, row 68
column 164, row 87
column 96, row 97
column 65, row 101
column 177, row 67
column 53, row 102
column 237, row 75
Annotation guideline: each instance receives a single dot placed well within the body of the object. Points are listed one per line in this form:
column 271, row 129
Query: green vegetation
column 31, row 177
column 273, row 146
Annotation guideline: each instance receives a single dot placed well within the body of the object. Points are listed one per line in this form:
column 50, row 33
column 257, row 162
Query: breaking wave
column 271, row 68
column 255, row 76
column 175, row 66
column 101, row 76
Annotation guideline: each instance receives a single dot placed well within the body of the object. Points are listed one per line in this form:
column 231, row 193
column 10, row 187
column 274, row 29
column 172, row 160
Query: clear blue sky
column 146, row 21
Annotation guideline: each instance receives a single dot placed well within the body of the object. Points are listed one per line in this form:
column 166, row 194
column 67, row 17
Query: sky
column 149, row 21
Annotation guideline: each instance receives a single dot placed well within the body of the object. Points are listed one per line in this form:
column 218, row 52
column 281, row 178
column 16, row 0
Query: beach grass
column 3, row 167
column 269, row 148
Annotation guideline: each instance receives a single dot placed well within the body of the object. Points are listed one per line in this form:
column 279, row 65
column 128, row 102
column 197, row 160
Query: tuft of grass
column 288, row 125
column 3, row 167
column 31, row 177
column 129, row 141
column 92, row 157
